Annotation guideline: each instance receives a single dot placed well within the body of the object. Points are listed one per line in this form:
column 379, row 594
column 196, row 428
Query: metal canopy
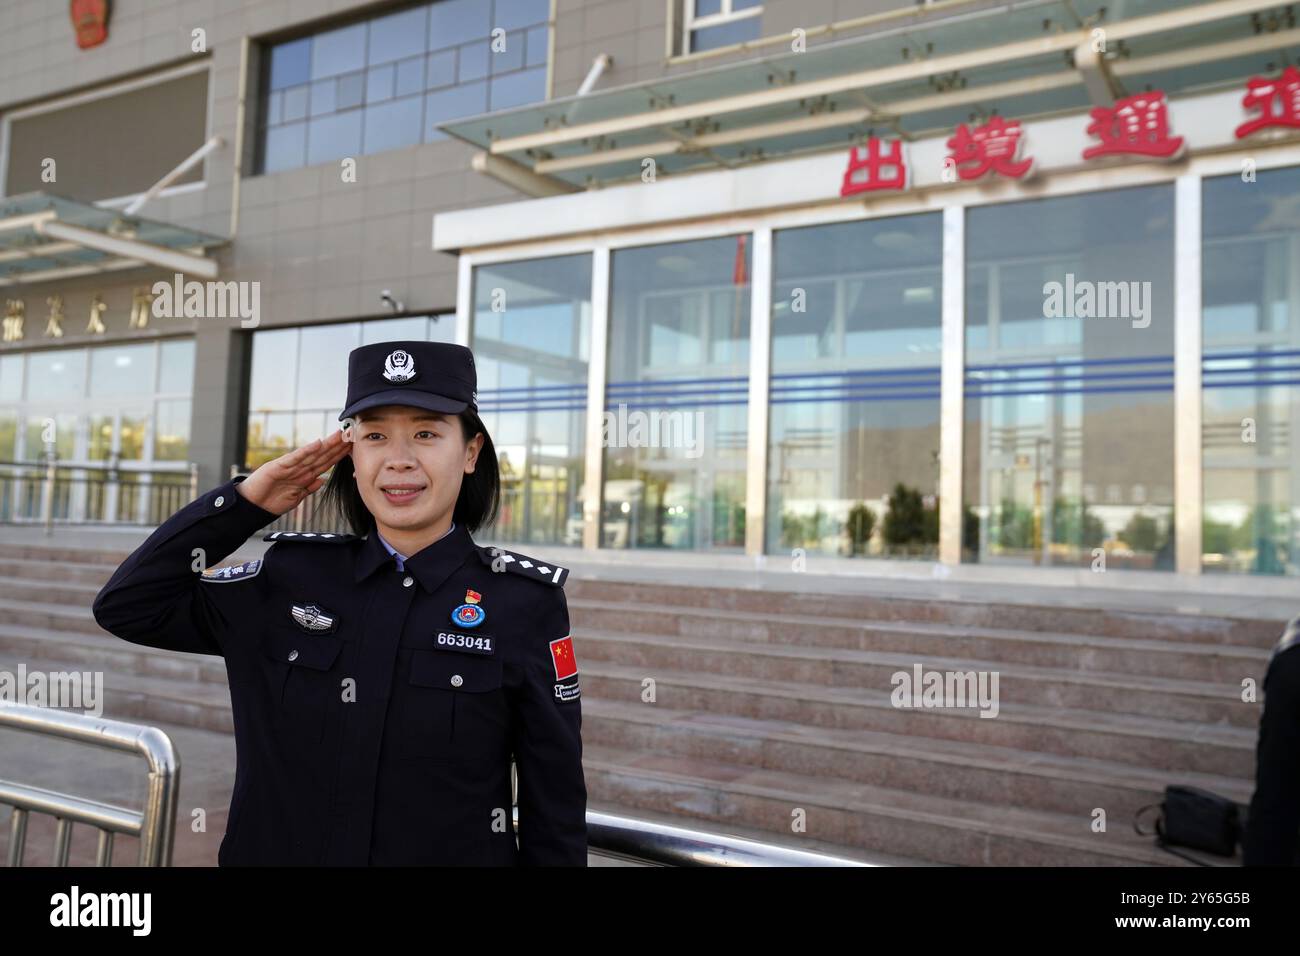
column 44, row 237
column 1024, row 59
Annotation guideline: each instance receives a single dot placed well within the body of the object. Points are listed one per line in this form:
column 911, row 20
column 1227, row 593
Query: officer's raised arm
column 547, row 740
column 160, row 597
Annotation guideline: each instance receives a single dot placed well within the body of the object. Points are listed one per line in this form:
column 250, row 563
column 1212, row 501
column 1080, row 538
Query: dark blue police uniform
column 372, row 726
column 1273, row 823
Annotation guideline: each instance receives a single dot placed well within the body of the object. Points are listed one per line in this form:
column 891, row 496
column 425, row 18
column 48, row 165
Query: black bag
column 1195, row 818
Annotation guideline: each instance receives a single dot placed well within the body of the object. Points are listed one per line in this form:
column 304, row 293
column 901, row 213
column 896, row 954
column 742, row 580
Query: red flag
column 566, row 665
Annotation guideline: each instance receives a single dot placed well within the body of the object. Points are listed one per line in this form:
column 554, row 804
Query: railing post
column 47, row 505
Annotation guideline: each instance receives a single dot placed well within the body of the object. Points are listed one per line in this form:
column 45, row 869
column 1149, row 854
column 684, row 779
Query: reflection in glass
column 853, row 456
column 171, row 436
column 676, row 399
column 531, row 341
column 1250, row 265
column 1069, row 381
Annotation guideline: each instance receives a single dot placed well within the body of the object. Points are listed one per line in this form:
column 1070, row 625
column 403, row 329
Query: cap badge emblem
column 399, row 367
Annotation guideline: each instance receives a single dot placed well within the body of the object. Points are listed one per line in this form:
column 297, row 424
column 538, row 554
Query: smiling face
column 409, row 464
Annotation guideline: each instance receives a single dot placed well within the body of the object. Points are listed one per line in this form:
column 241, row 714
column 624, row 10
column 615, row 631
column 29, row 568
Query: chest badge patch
column 469, row 614
column 313, row 618
column 237, row 572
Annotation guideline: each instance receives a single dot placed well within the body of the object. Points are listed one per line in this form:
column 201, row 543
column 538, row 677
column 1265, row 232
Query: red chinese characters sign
column 90, row 20
column 991, row 148
column 1136, row 125
column 1278, row 102
column 871, row 169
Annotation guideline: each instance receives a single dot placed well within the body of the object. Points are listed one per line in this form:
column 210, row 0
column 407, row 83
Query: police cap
column 437, row 376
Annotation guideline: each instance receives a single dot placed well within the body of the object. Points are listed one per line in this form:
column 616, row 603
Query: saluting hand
column 281, row 484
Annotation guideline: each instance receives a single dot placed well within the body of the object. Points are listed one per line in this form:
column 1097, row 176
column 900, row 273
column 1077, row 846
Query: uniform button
column 293, row 655
column 220, row 501
column 457, row 680
column 407, row 581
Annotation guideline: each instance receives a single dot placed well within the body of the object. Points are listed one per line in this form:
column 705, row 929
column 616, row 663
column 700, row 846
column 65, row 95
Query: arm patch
column 235, row 572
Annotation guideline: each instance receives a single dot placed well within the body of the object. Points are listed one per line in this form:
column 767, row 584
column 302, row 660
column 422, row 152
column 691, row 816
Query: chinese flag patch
column 566, row 665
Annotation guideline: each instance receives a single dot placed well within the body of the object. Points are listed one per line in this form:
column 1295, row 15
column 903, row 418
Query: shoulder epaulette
column 499, row 559
column 321, row 537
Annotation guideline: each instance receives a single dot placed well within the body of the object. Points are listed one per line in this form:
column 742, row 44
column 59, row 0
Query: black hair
column 476, row 505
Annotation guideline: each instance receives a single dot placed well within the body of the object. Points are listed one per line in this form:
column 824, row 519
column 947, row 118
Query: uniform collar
column 430, row 566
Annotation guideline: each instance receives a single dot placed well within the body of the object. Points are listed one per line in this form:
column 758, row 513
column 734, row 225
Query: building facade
column 975, row 284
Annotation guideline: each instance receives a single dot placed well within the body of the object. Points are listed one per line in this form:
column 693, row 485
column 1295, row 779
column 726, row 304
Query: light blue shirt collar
column 401, row 558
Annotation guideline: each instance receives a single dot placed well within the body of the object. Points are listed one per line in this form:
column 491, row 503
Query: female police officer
column 380, row 681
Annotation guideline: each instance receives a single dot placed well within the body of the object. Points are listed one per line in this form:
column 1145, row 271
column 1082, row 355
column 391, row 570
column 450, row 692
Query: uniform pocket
column 302, row 678
column 452, row 705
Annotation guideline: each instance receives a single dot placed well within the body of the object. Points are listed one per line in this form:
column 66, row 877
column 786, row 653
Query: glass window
column 410, row 77
column 286, row 147
column 351, row 90
column 394, row 124
column 8, row 434
column 724, row 34
column 517, row 89
column 61, row 427
column 323, row 363
column 511, row 14
column 415, row 328
column 171, row 435
column 1069, row 381
column 452, row 22
column 295, row 104
column 333, row 137
column 122, row 370
column 274, row 369
column 853, row 449
column 473, row 62
column 398, row 35
column 511, row 56
column 176, row 367
column 1250, row 261
column 11, row 377
column 338, row 51
column 441, row 69
column 675, row 402
column 56, row 374
column 455, row 101
column 324, row 98
column 314, row 83
column 290, row 64
column 536, row 53
column 531, row 341
column 379, row 83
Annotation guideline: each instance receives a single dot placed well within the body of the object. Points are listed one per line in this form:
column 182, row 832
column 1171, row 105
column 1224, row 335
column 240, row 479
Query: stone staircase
column 772, row 707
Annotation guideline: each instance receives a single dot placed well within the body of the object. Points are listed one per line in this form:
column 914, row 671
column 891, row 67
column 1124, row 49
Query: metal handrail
column 665, row 844
column 154, row 825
